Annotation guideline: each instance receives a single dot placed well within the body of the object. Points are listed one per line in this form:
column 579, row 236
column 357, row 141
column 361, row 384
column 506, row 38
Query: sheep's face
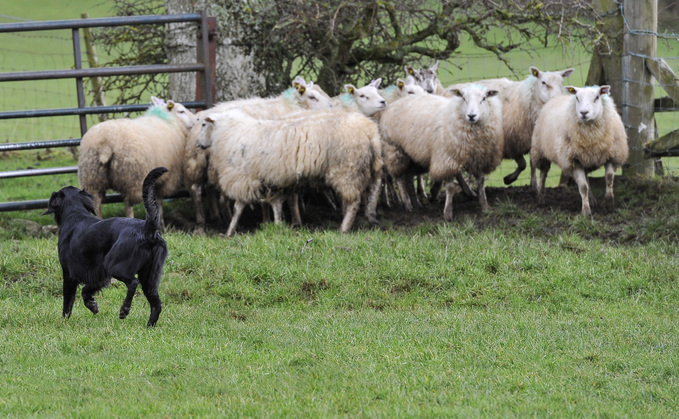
column 475, row 104
column 180, row 112
column 408, row 87
column 550, row 83
column 204, row 136
column 425, row 78
column 367, row 98
column 588, row 101
column 311, row 96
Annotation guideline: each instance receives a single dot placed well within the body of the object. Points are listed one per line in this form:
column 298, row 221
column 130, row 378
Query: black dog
column 92, row 250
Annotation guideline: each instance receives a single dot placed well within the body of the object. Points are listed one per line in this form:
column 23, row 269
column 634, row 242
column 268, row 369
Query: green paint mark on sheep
column 160, row 112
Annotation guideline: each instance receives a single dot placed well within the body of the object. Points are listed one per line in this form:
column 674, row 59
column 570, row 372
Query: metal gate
column 204, row 67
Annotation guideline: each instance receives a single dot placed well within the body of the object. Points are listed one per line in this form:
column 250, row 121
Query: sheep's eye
column 596, row 98
column 544, row 83
column 362, row 96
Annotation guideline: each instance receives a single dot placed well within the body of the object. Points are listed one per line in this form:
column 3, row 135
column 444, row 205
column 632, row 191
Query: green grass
column 441, row 320
column 522, row 311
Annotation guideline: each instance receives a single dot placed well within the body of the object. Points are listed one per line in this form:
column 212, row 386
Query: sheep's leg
column 465, row 186
column 384, row 192
column 266, row 214
column 129, row 208
column 511, row 178
column 197, row 196
column 403, row 191
column 421, row 191
column 434, row 191
column 277, row 206
column 350, row 211
column 543, row 185
column 225, row 208
column 483, row 200
column 448, row 207
column 127, row 303
column 98, row 198
column 580, row 178
column 88, row 298
column 391, row 190
column 410, row 188
column 293, row 203
column 610, row 177
column 238, row 208
column 373, row 196
column 70, row 288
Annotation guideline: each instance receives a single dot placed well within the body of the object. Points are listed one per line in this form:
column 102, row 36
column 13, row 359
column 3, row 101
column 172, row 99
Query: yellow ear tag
column 170, row 106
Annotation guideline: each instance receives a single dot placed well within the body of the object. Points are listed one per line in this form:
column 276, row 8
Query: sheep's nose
column 471, row 117
column 584, row 113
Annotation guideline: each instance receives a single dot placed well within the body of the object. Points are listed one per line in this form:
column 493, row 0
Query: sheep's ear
column 534, row 71
column 434, row 67
column 301, row 89
column 376, row 83
column 156, row 101
column 605, row 89
column 298, row 81
column 409, row 70
column 350, row 88
column 209, row 120
column 170, row 105
column 400, row 84
column 491, row 93
column 567, row 72
column 570, row 89
column 457, row 92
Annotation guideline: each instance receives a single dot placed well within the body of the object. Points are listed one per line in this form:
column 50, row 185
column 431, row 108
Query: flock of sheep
column 357, row 144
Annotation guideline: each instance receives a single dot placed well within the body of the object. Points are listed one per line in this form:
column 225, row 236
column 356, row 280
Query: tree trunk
column 235, row 71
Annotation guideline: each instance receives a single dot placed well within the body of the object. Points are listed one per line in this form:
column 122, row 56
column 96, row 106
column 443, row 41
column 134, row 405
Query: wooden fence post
column 641, row 24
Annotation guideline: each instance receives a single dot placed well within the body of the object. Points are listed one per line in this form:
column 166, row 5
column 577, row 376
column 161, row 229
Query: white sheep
column 199, row 176
column 426, row 78
column 579, row 133
column 521, row 103
column 401, row 89
column 257, row 159
column 118, row 153
column 366, row 100
column 444, row 136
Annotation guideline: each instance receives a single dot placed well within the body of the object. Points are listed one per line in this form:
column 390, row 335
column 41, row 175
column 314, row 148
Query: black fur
column 92, row 250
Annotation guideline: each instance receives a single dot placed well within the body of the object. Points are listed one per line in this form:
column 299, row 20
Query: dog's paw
column 66, row 314
column 124, row 311
column 93, row 306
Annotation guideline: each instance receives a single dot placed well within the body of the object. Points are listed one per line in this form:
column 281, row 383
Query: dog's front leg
column 70, row 288
column 127, row 304
column 88, row 298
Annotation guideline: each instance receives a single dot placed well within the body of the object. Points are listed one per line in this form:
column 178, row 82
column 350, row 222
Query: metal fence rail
column 204, row 67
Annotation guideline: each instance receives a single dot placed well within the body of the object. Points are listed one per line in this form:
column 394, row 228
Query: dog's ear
column 88, row 201
column 54, row 202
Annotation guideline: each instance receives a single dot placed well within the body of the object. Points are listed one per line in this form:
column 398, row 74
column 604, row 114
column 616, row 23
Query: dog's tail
column 150, row 205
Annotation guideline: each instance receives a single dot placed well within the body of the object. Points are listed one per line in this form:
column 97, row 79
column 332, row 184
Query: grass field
column 521, row 311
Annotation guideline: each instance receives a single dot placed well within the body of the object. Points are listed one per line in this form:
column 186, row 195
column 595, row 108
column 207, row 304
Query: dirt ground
column 512, row 207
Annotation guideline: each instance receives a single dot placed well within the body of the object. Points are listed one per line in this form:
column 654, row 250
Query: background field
column 522, row 311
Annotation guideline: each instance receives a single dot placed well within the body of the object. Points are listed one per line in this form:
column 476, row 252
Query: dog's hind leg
column 127, row 303
column 70, row 290
column 88, row 298
column 151, row 293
